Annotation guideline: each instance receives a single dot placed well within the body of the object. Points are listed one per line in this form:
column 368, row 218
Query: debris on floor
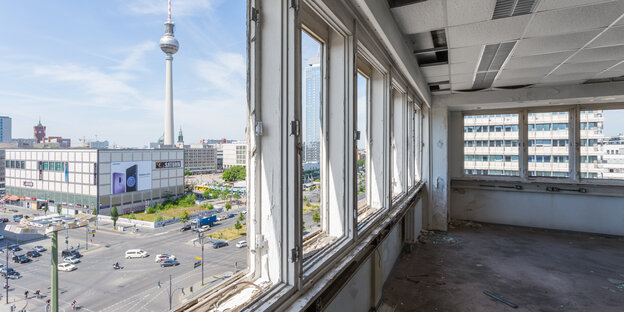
column 386, row 308
column 499, row 298
column 437, row 238
column 618, row 283
column 464, row 223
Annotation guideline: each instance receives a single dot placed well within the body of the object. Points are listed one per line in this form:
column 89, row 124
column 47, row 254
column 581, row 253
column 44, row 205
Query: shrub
column 228, row 206
column 132, row 217
column 184, row 215
column 316, row 216
column 158, row 218
column 151, row 210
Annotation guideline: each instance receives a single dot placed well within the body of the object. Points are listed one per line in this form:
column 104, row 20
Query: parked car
column 219, row 244
column 4, row 220
column 39, row 248
column 220, row 218
column 20, row 259
column 136, row 253
column 71, row 253
column 4, row 271
column 231, row 215
column 162, row 257
column 67, row 267
column 241, row 244
column 169, row 262
column 17, row 217
column 33, row 254
column 72, row 260
column 185, row 228
column 14, row 248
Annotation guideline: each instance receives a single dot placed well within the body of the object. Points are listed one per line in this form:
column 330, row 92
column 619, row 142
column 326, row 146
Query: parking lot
column 97, row 286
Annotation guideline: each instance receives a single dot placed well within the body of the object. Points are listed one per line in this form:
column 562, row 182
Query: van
column 136, row 253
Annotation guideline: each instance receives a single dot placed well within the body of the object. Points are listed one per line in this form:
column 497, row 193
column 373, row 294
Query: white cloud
column 226, row 73
column 135, row 59
column 178, row 7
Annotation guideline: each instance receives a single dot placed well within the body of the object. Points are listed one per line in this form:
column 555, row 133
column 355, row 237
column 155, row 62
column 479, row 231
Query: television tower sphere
column 168, row 42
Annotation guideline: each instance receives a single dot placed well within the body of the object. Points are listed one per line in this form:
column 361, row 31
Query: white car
column 136, row 253
column 71, row 260
column 67, row 267
column 241, row 244
column 221, row 218
column 162, row 257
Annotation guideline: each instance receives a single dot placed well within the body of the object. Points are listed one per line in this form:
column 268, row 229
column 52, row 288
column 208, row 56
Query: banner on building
column 131, row 176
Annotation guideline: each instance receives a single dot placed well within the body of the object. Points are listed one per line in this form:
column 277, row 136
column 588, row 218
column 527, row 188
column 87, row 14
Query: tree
column 238, row 226
column 58, row 208
column 316, row 216
column 241, row 217
column 132, row 217
column 187, row 173
column 114, row 215
column 234, row 173
column 228, row 206
column 94, row 210
column 159, row 218
column 46, row 207
column 184, row 216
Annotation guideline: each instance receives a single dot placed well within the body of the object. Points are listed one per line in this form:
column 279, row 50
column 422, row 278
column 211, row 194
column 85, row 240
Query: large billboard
column 131, row 176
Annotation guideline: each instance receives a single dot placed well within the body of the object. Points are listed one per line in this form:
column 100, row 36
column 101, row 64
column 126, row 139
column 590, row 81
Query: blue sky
column 94, row 68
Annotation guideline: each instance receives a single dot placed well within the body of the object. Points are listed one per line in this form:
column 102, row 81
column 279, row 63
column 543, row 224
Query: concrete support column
column 54, row 263
column 439, row 182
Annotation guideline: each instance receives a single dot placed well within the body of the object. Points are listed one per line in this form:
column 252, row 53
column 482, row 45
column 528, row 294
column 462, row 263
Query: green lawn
column 167, row 214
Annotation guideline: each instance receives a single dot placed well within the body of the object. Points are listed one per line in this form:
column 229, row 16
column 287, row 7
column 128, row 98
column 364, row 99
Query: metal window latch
column 294, row 254
column 356, row 135
column 294, row 127
column 259, row 128
column 254, row 14
column 293, row 4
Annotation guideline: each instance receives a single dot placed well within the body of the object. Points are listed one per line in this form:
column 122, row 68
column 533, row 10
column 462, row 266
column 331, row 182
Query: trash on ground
column 501, row 299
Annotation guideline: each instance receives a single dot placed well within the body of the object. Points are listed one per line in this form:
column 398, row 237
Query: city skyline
column 96, row 69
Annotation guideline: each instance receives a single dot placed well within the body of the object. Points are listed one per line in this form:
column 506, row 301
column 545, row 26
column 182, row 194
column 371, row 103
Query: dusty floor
column 537, row 270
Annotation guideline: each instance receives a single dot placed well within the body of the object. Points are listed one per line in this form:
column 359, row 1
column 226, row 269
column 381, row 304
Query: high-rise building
column 200, row 158
column 312, row 112
column 234, row 154
column 491, row 144
column 40, row 132
column 5, row 129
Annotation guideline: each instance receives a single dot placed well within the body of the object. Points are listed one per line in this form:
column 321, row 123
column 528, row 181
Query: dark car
column 20, row 259
column 11, row 273
column 33, row 254
column 219, row 245
column 231, row 215
column 4, row 220
column 14, row 248
column 71, row 253
column 167, row 263
column 185, row 228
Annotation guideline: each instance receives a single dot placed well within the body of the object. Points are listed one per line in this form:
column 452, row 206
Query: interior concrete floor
column 538, row 270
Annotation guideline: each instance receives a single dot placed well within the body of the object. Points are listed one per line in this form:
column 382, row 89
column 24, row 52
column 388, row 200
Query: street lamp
column 51, row 224
column 200, row 236
column 171, row 290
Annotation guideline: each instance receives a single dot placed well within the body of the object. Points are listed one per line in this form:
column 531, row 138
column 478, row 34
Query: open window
column 398, row 142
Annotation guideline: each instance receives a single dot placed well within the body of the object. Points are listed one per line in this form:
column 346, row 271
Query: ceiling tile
column 561, row 4
column 466, row 12
column 421, row 41
column 514, row 82
column 551, row 44
column 611, row 37
column 544, row 60
column 420, row 17
column 460, row 78
column 566, row 77
column 461, row 86
column 463, row 68
column 590, row 68
column 575, row 19
column 466, row 54
column 437, row 70
column 433, row 79
column 494, row 31
column 599, row 54
column 536, row 73
column 564, row 82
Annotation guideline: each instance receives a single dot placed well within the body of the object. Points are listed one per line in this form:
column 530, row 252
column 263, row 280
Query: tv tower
column 170, row 46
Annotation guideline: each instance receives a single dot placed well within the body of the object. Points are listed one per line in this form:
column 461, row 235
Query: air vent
column 493, row 58
column 599, row 80
column 436, row 55
column 439, row 86
column 399, row 3
column 507, row 8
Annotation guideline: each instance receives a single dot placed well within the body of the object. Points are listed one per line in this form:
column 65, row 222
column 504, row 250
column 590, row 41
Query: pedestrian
column 26, row 294
column 78, row 246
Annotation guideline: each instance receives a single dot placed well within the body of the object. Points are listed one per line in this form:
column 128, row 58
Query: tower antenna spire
column 169, row 10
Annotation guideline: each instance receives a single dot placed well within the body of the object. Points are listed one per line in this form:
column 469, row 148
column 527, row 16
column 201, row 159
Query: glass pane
column 548, row 144
column 362, row 147
column 491, row 144
column 602, row 144
column 311, row 116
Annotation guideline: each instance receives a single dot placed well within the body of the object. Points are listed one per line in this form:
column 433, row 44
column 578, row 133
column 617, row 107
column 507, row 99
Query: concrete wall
column 583, row 213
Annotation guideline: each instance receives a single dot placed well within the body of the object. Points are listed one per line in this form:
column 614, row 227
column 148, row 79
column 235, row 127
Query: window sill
column 550, row 186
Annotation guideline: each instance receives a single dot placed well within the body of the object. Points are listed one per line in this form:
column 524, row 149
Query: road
column 98, row 287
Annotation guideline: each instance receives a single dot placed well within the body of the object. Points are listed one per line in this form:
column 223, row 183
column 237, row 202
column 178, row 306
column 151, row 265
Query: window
column 548, row 136
column 312, row 158
column 602, row 144
column 492, row 149
column 362, row 144
column 397, row 141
